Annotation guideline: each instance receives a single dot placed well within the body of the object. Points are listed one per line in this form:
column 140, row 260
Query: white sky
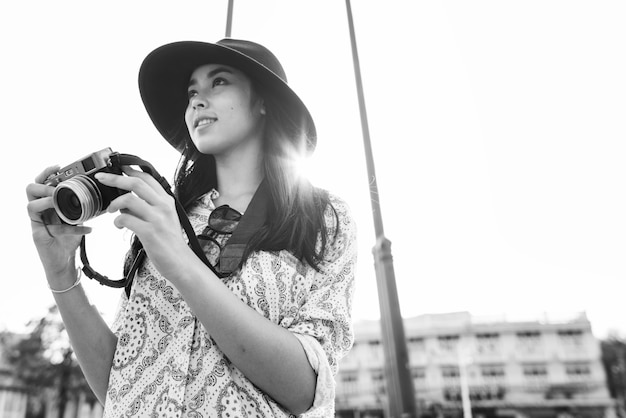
column 497, row 127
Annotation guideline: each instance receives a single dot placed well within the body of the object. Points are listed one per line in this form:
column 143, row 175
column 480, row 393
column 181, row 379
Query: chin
column 202, row 145
column 208, row 149
column 205, row 150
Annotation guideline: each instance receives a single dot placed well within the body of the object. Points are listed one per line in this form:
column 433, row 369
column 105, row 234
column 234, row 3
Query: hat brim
column 164, row 78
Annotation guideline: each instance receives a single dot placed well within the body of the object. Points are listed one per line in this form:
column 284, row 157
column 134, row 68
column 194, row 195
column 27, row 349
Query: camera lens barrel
column 77, row 199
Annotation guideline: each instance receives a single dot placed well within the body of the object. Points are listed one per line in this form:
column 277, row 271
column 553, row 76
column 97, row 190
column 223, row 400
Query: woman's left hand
column 150, row 212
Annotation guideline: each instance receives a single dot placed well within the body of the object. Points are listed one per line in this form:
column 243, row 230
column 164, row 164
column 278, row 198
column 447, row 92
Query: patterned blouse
column 167, row 365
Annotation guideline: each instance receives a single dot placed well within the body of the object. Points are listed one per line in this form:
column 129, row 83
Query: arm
column 324, row 323
column 91, row 338
column 56, row 244
column 267, row 354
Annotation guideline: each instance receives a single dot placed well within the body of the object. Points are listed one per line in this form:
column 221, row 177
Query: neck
column 238, row 179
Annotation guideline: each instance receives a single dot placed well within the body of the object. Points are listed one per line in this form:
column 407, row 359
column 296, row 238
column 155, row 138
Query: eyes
column 217, row 81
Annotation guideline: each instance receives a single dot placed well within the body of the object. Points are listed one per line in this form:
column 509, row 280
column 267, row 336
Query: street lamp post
column 401, row 395
column 229, row 18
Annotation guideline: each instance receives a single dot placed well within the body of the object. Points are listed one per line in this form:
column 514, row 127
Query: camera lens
column 69, row 203
column 77, row 200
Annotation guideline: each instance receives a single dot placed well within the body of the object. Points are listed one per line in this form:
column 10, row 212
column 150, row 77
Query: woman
column 261, row 332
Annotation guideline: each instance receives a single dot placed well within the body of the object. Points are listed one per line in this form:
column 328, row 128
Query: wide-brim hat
column 164, row 78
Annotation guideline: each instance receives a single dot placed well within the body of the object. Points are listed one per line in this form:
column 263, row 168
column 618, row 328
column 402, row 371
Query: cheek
column 188, row 118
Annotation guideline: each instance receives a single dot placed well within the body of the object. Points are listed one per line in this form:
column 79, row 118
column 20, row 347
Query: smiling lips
column 204, row 121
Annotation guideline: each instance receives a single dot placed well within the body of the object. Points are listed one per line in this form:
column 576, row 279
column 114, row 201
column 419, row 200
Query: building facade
column 14, row 396
column 523, row 369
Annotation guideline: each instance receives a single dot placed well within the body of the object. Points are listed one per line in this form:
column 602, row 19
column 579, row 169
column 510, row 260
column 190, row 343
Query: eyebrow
column 211, row 74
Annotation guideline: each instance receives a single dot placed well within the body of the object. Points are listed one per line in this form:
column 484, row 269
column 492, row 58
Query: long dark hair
column 297, row 208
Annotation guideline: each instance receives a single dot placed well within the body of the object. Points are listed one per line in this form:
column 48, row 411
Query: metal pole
column 465, row 392
column 229, row 18
column 401, row 395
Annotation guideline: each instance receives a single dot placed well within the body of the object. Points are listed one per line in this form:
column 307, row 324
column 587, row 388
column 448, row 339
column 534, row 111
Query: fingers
column 148, row 204
column 131, row 222
column 39, row 194
column 40, row 209
column 144, row 176
column 39, row 200
column 64, row 229
column 41, row 178
column 37, row 191
column 36, row 207
column 130, row 204
column 142, row 184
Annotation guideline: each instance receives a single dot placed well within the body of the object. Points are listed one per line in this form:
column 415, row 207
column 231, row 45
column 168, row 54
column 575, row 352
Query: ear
column 261, row 104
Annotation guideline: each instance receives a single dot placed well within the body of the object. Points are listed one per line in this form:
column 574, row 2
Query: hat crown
column 164, row 77
column 258, row 53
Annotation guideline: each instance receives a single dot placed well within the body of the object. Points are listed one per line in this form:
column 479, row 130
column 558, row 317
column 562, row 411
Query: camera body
column 78, row 196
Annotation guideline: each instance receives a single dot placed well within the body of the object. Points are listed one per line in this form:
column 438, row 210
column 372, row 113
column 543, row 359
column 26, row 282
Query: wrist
column 79, row 276
column 62, row 277
column 186, row 268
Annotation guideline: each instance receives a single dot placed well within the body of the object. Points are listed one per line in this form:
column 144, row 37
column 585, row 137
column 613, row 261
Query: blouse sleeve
column 324, row 322
column 118, row 319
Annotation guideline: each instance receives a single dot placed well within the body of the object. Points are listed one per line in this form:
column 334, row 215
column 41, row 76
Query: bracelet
column 76, row 283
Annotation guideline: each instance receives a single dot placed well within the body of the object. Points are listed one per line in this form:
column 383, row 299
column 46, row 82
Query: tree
column 614, row 360
column 45, row 360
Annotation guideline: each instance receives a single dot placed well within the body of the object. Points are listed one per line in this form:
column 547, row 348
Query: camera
column 78, row 196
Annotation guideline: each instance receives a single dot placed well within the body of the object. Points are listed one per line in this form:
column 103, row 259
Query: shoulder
column 340, row 231
column 338, row 215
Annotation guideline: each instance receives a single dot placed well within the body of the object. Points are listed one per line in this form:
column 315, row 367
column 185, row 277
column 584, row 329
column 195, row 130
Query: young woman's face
column 223, row 113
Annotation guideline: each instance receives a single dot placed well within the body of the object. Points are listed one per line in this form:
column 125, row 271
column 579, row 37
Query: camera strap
column 118, row 159
column 252, row 220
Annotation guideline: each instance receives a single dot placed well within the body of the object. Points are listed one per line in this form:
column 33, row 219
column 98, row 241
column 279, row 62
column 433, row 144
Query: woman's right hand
column 56, row 242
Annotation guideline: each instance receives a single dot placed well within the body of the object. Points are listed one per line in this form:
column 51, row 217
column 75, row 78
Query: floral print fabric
column 167, row 365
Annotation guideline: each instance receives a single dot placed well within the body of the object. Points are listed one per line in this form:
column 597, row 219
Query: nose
column 198, row 102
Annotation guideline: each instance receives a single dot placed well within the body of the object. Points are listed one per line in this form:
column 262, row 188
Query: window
column 535, row 372
column 529, row 341
column 475, row 394
column 452, row 394
column 378, row 378
column 348, row 378
column 349, row 383
column 492, row 371
column 416, row 343
column 578, row 371
column 15, row 405
column 570, row 332
column 450, row 374
column 487, row 342
column 528, row 335
column 378, row 375
column 448, row 342
column 418, row 373
column 375, row 348
column 571, row 338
